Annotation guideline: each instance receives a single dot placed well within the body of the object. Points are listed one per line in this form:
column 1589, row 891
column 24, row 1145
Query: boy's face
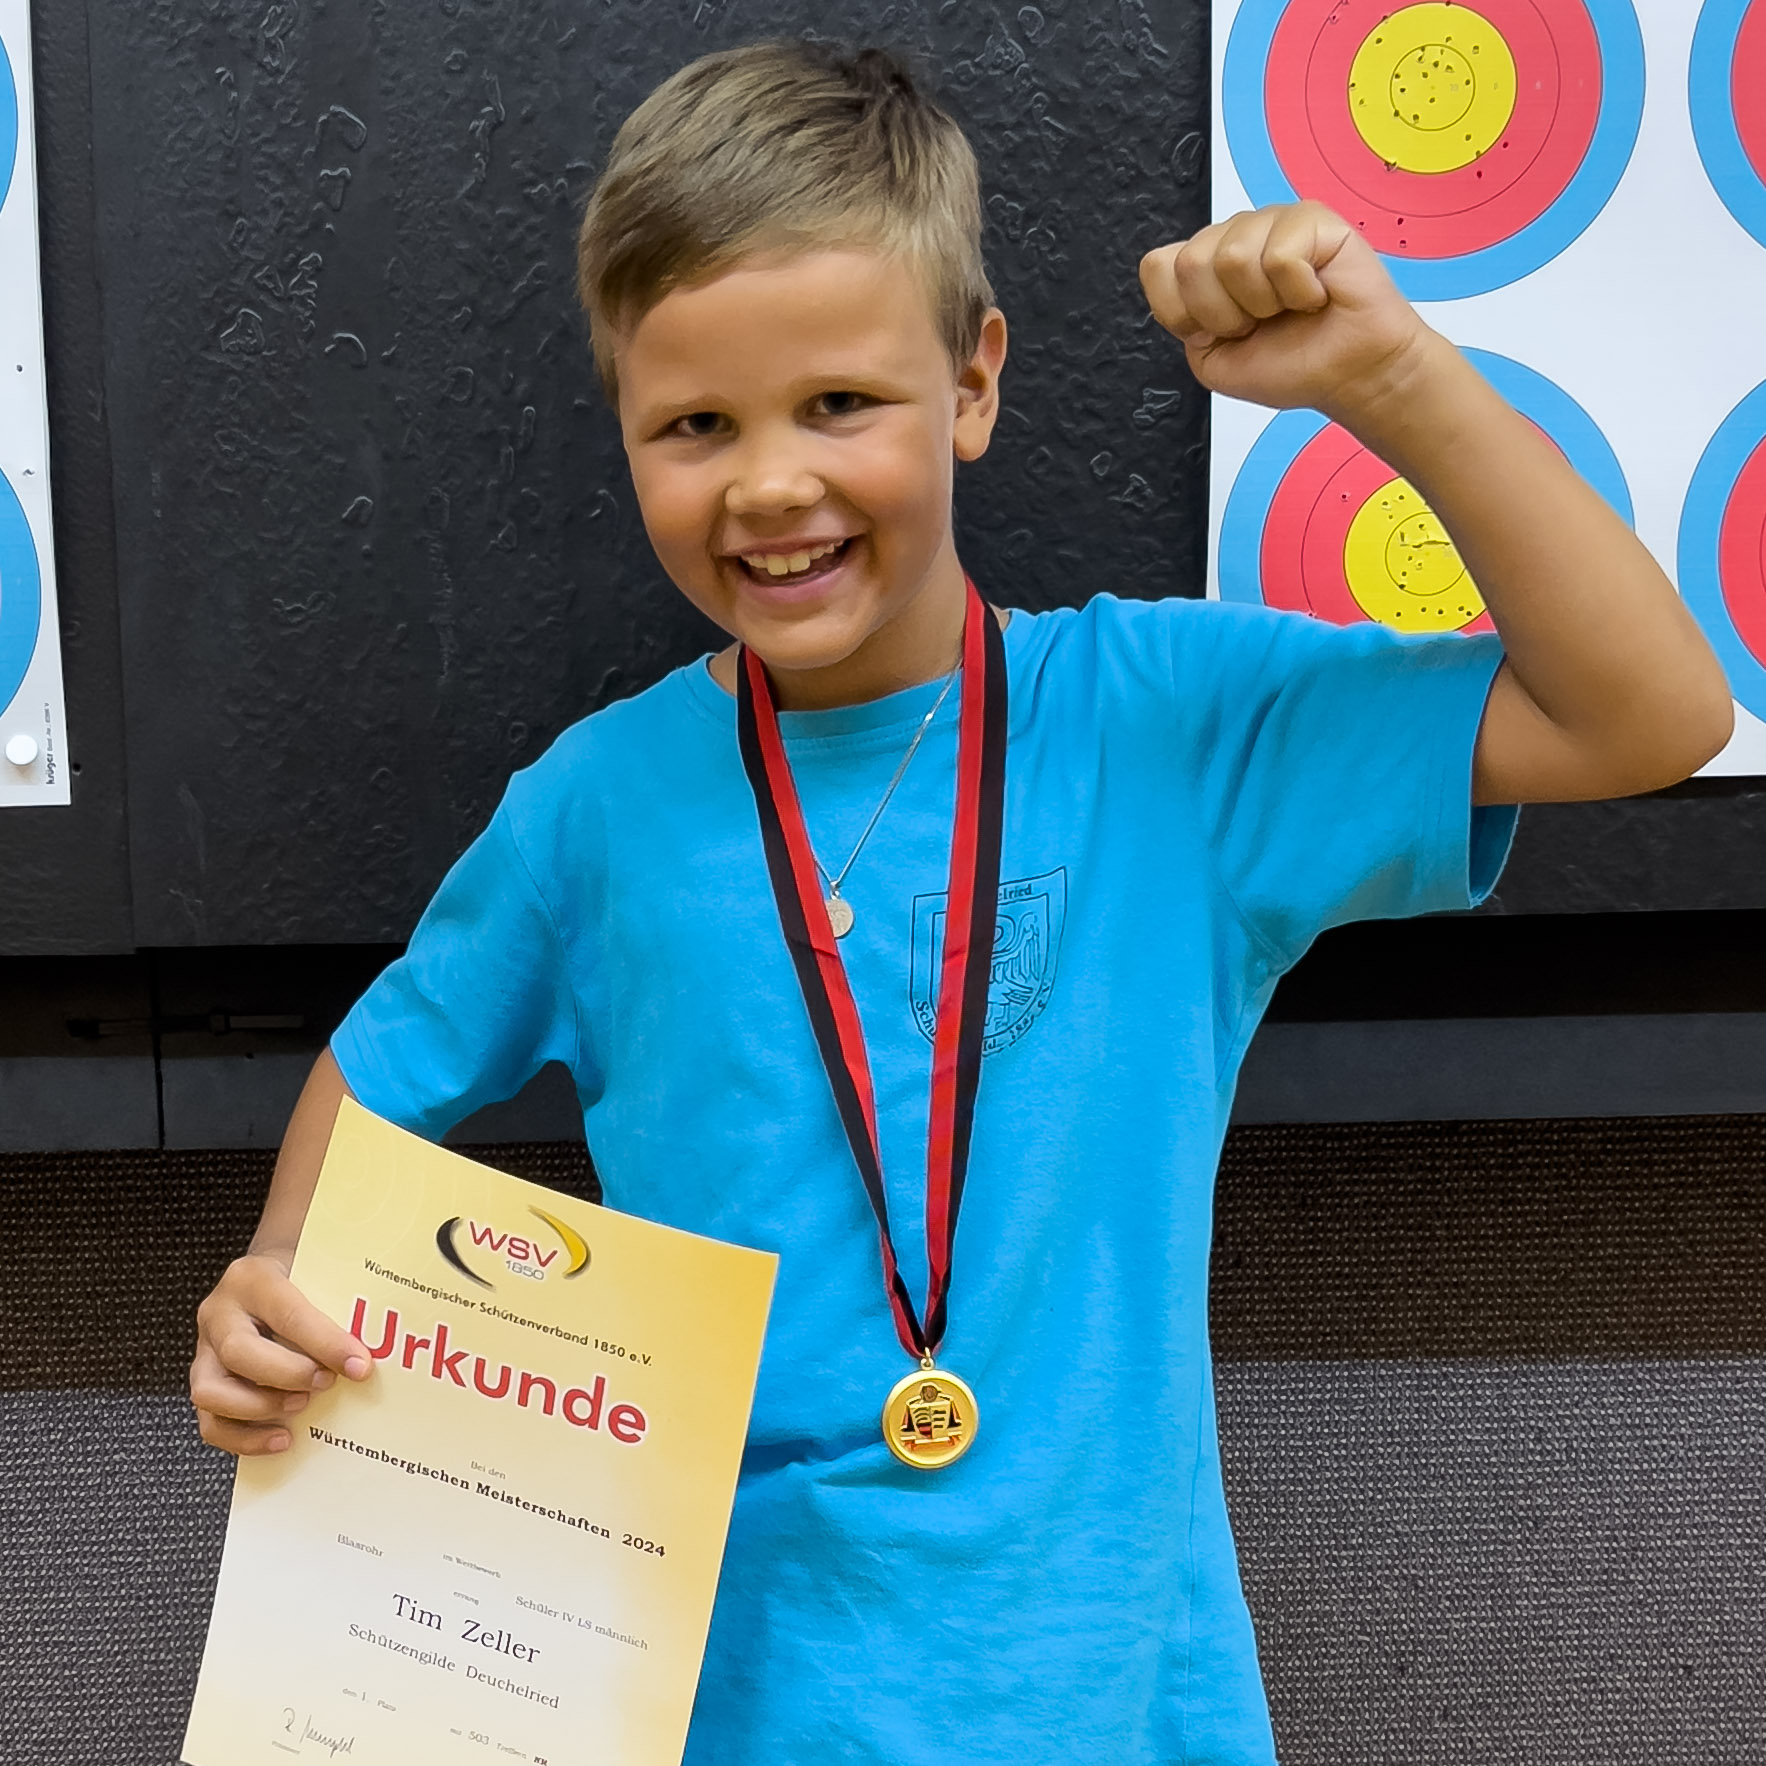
column 792, row 427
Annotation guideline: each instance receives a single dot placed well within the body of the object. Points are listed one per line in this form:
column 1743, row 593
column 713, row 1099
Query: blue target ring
column 21, row 594
column 1710, row 95
column 8, row 125
column 1248, row 504
column 1495, row 266
column 1714, row 484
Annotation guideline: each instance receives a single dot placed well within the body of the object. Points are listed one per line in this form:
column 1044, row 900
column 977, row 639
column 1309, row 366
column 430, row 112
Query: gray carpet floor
column 1493, row 1410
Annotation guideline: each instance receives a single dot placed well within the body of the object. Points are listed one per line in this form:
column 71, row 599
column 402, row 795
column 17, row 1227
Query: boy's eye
column 699, row 424
column 841, row 404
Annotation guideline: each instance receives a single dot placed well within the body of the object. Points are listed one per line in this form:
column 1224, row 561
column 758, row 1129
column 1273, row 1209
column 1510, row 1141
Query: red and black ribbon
column 972, row 905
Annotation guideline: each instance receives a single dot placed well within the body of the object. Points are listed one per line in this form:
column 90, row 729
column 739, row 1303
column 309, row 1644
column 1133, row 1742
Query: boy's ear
column 978, row 389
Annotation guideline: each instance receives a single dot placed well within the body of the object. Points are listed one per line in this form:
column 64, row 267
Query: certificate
column 504, row 1545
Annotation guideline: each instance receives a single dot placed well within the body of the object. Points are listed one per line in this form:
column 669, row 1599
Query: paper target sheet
column 1574, row 191
column 33, row 717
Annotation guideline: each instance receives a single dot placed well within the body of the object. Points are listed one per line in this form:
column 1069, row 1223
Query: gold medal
column 929, row 1418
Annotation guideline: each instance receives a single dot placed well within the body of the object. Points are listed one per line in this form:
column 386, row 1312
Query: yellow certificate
column 503, row 1546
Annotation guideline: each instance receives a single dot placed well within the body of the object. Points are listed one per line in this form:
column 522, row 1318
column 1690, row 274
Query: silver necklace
column 839, row 908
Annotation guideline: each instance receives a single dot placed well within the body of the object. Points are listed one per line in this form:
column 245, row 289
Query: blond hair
column 781, row 146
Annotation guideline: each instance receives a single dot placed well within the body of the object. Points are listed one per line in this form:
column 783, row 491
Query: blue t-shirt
column 1193, row 792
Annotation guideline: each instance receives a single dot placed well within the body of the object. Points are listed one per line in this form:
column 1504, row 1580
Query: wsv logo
column 483, row 1247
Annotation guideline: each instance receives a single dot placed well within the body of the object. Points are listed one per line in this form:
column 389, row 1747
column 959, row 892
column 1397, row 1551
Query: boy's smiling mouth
column 803, row 564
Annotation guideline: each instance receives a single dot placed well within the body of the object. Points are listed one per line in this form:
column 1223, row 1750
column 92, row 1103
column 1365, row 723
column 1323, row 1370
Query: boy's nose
column 772, row 483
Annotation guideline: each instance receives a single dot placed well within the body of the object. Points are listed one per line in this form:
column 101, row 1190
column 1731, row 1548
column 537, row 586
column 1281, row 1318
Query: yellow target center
column 1402, row 568
column 1432, row 88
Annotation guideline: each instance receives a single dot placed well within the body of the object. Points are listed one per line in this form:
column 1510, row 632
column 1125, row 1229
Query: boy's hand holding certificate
column 506, row 1544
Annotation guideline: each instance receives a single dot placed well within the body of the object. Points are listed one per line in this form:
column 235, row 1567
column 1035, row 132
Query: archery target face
column 1316, row 523
column 1723, row 548
column 1470, row 144
column 1726, row 90
column 20, row 578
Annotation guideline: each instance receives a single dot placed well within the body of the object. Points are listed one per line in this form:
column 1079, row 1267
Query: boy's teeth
column 788, row 563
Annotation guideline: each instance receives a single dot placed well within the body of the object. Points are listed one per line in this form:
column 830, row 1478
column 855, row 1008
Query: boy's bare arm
column 1608, row 686
column 263, row 1349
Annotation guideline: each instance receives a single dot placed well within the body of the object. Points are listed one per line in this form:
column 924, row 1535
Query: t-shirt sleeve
column 1339, row 772
column 479, row 1003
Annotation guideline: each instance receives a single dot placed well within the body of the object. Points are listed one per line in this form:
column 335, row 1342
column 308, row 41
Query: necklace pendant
column 839, row 915
column 929, row 1418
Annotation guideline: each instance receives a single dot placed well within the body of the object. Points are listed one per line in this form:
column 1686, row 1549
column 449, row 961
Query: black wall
column 342, row 524
column 375, row 545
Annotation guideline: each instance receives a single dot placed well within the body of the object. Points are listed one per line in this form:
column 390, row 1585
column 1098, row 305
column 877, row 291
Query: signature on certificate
column 304, row 1731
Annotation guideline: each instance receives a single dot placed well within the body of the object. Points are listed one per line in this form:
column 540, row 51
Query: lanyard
column 965, row 970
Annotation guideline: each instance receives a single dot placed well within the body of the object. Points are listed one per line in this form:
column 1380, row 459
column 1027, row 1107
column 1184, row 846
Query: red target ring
column 1408, row 214
column 1747, row 87
column 1741, row 554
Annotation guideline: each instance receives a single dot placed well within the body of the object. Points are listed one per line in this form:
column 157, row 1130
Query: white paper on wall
column 1574, row 191
column 33, row 718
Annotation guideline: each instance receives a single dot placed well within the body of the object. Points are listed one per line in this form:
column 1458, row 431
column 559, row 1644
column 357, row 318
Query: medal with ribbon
column 929, row 1418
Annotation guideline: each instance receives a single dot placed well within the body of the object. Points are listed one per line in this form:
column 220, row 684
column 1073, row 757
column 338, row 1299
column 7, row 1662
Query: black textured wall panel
column 376, row 541
column 1698, row 847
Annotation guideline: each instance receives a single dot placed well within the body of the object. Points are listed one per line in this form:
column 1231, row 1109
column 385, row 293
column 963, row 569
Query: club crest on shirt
column 1026, row 949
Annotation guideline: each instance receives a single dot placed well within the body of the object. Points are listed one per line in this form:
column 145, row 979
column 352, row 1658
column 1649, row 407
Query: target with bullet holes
column 1316, row 523
column 1726, row 92
column 20, row 584
column 20, row 594
column 1470, row 144
column 34, row 770
column 1722, row 564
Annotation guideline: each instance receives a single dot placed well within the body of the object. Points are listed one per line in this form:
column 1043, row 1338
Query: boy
column 1072, row 853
